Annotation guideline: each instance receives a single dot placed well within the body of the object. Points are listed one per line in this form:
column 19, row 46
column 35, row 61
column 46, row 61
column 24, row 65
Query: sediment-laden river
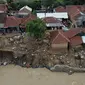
column 16, row 75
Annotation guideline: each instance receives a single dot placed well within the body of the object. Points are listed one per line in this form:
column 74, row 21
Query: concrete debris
column 67, row 69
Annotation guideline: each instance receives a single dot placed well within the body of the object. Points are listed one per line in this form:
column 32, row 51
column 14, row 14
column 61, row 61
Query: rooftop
column 56, row 15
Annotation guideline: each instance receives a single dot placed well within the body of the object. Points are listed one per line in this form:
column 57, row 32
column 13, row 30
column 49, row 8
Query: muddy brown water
column 16, row 75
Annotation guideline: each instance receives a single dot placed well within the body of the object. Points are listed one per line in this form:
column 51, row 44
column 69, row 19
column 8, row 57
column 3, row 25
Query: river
column 16, row 75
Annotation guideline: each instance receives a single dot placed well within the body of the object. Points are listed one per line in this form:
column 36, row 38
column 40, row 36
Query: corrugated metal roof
column 52, row 22
column 56, row 15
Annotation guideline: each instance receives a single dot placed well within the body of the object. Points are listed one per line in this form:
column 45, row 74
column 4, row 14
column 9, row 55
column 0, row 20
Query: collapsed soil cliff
column 27, row 51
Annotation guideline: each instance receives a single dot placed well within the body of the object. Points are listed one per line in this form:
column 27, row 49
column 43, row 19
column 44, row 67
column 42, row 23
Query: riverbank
column 29, row 52
column 16, row 75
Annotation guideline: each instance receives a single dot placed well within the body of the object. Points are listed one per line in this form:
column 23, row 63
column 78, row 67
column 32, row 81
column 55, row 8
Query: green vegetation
column 36, row 28
column 37, row 4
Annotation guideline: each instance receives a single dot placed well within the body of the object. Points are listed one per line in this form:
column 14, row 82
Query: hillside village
column 64, row 41
column 65, row 24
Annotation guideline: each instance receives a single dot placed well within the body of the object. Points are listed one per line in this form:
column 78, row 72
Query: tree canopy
column 37, row 4
column 47, row 3
column 36, row 28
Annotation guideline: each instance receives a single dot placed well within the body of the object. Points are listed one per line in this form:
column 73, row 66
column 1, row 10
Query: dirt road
column 15, row 75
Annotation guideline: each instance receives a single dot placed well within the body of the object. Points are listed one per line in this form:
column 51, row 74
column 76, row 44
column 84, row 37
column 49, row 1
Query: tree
column 73, row 2
column 36, row 28
column 47, row 3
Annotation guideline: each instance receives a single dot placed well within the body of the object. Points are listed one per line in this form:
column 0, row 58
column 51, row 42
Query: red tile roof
column 73, row 11
column 25, row 20
column 81, row 8
column 73, row 32
column 51, row 20
column 69, row 36
column 3, row 7
column 60, row 9
column 12, row 21
column 58, row 37
column 77, row 40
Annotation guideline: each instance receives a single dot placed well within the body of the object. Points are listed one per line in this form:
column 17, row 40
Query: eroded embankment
column 28, row 52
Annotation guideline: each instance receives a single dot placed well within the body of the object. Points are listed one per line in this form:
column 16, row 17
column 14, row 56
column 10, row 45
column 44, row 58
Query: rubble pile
column 29, row 52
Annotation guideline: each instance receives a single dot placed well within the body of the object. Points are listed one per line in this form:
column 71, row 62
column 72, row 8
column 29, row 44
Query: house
column 11, row 23
column 62, row 9
column 75, row 36
column 24, row 11
column 53, row 23
column 59, row 41
column 76, row 14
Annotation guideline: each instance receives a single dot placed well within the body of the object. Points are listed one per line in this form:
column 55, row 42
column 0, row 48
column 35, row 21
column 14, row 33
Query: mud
column 16, row 75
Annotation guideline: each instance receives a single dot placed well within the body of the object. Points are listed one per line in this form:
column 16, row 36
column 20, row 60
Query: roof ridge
column 62, row 36
column 55, row 38
column 15, row 19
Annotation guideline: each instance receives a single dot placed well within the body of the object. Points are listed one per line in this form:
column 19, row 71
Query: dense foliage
column 36, row 28
column 37, row 4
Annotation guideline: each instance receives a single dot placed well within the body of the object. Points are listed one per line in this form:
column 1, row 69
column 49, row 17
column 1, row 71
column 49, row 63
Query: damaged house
column 59, row 41
column 72, row 38
column 53, row 20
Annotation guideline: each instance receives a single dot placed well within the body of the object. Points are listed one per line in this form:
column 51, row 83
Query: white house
column 24, row 11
